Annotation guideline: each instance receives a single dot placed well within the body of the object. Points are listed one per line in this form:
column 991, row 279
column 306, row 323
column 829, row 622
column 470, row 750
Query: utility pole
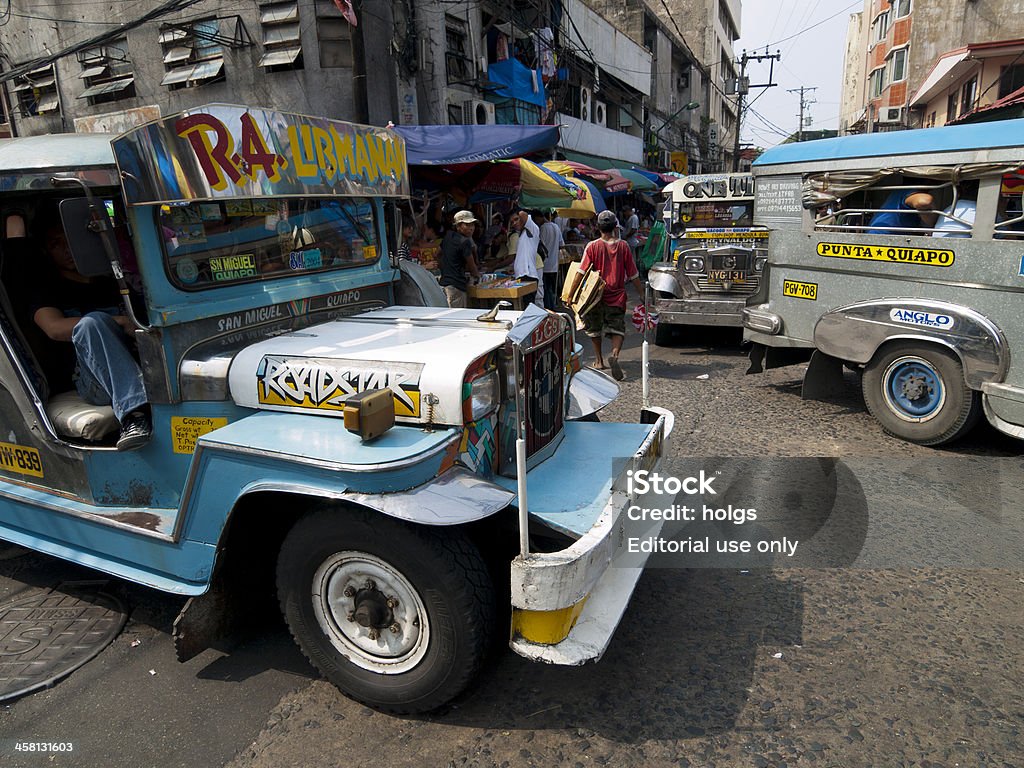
column 743, row 86
column 803, row 103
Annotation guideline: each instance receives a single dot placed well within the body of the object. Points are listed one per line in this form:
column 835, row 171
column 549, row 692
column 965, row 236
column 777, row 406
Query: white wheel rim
column 390, row 652
column 936, row 399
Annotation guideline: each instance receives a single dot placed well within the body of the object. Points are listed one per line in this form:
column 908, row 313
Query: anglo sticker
column 21, row 459
column 924, row 319
column 186, row 430
column 930, row 257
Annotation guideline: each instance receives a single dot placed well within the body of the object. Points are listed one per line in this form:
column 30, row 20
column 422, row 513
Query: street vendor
column 458, row 258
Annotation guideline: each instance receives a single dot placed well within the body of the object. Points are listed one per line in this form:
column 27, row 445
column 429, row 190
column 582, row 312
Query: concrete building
column 900, row 42
column 709, row 28
column 678, row 102
column 164, row 56
column 968, row 79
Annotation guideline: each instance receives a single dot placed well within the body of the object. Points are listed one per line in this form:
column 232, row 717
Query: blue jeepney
column 257, row 247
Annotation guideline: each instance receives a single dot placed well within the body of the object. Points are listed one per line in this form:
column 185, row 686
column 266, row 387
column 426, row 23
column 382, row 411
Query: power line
column 816, row 24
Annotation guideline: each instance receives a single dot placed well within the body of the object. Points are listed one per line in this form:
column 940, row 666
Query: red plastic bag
column 642, row 317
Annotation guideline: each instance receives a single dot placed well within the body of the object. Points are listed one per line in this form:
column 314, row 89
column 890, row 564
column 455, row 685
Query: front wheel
column 918, row 392
column 396, row 616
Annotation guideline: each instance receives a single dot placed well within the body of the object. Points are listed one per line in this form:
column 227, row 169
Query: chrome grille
column 749, row 285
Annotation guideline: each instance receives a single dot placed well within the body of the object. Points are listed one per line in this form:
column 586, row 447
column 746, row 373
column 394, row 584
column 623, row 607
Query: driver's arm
column 53, row 323
column 59, row 328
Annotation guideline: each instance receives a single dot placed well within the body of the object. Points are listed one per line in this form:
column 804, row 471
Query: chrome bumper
column 567, row 604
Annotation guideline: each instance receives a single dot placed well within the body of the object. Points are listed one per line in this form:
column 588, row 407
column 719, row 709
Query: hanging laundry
column 545, row 40
column 345, row 6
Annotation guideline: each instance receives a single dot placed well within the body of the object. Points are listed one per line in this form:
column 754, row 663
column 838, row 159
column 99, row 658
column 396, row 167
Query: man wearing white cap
column 458, row 257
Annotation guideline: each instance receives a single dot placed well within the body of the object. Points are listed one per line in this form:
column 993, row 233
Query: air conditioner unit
column 600, row 113
column 890, row 115
column 477, row 112
column 586, row 103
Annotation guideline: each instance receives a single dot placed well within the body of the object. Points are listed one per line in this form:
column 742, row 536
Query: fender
column 855, row 332
column 589, row 392
column 662, row 278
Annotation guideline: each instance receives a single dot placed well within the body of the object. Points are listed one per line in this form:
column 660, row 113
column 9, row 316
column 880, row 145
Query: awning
column 278, row 56
column 946, row 71
column 454, row 144
column 111, row 87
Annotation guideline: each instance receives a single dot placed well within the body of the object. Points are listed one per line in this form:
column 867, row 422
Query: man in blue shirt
column 902, row 210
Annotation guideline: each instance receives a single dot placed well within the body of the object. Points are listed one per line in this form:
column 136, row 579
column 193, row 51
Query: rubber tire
column 445, row 568
column 957, row 415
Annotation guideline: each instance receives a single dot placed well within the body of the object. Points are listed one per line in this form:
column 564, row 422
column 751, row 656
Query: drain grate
column 48, row 635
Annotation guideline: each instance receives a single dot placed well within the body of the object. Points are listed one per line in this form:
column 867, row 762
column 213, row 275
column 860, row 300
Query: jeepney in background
column 260, row 243
column 927, row 307
column 715, row 254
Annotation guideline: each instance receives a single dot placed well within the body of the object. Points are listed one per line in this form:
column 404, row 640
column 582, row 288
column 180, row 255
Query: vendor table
column 486, row 294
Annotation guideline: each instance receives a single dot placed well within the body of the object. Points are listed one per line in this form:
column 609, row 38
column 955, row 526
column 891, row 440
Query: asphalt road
column 892, row 638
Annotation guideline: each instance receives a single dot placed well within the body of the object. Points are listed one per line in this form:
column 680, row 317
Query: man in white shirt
column 551, row 238
column 525, row 266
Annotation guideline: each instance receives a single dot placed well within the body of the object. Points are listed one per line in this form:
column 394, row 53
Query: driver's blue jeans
column 106, row 374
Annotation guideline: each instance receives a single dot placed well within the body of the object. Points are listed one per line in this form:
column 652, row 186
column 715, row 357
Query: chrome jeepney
column 261, row 244
column 899, row 254
column 715, row 254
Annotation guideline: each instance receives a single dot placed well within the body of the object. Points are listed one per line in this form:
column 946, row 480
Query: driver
column 84, row 315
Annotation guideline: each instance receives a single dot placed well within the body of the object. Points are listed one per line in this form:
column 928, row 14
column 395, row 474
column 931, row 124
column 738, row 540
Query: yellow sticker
column 186, row 430
column 799, row 290
column 369, row 252
column 930, row 257
column 20, row 459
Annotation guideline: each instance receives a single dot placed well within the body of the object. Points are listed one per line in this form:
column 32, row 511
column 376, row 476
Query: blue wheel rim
column 913, row 389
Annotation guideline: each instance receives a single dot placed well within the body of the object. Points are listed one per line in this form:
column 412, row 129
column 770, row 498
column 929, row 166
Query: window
column 967, row 95
column 901, row 8
column 210, row 244
column 898, row 65
column 931, row 120
column 37, row 91
column 877, row 82
column 458, row 64
column 880, row 27
column 282, row 46
column 951, row 107
column 107, row 73
column 193, row 54
column 1011, row 78
column 335, row 36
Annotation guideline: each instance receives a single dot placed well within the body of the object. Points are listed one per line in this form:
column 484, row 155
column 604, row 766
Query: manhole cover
column 48, row 635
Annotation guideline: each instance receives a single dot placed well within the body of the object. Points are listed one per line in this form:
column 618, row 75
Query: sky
column 812, row 57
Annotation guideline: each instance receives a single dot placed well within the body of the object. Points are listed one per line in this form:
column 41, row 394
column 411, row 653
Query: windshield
column 210, row 244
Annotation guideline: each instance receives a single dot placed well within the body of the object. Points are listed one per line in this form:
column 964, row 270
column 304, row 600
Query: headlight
column 759, row 264
column 694, row 264
column 483, row 395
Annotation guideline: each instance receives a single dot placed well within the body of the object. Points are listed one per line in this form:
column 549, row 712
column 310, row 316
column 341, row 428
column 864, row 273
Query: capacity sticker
column 931, row 257
column 798, row 290
column 186, row 430
column 21, row 459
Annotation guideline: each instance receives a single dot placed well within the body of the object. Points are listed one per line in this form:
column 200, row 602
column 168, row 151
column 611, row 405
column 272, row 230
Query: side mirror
column 86, row 246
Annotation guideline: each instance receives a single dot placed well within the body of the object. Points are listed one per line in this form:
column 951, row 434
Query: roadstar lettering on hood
column 415, row 351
